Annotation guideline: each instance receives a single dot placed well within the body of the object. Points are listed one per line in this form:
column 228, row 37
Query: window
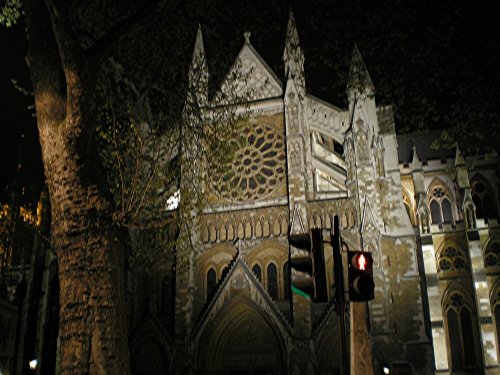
column 257, row 272
column 497, row 322
column 338, row 148
column 440, row 205
column 496, row 314
column 451, row 258
column 460, row 329
column 211, row 282
column 492, row 254
column 483, row 199
column 258, row 166
column 272, row 280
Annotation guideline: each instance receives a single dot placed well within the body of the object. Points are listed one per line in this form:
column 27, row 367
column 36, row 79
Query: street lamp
column 33, row 364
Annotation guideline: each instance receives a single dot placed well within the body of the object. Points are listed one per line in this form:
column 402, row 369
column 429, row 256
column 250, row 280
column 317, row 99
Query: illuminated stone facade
column 430, row 223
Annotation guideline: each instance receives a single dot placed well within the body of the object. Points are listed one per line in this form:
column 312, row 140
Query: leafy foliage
column 146, row 143
column 10, row 12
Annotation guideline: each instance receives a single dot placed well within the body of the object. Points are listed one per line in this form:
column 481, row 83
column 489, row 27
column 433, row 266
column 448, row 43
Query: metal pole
column 338, row 271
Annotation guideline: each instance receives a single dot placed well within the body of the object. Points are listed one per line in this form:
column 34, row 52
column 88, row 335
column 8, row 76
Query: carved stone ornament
column 258, row 167
column 239, row 281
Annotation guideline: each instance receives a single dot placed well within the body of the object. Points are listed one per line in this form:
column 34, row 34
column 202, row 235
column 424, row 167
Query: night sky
column 435, row 60
column 15, row 117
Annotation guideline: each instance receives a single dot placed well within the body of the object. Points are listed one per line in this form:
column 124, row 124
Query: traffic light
column 319, row 269
column 308, row 270
column 360, row 269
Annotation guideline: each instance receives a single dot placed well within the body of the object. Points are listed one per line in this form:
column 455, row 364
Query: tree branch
column 108, row 44
column 69, row 47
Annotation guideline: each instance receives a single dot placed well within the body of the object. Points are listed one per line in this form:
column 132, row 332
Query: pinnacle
column 416, row 164
column 359, row 78
column 459, row 158
column 199, row 50
column 247, row 35
column 293, row 57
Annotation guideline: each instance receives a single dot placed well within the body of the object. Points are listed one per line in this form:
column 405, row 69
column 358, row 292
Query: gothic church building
column 430, row 223
column 225, row 306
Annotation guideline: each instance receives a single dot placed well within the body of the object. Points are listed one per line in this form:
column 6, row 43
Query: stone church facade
column 223, row 304
column 430, row 222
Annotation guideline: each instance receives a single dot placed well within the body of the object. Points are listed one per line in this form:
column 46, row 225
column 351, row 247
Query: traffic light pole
column 340, row 293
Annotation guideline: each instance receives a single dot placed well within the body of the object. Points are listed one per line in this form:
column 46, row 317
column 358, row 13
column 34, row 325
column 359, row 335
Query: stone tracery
column 257, row 169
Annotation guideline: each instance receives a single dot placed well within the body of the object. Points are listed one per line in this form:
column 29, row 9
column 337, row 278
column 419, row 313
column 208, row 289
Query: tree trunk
column 90, row 247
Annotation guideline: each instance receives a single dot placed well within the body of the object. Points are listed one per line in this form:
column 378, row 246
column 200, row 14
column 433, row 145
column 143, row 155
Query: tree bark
column 90, row 247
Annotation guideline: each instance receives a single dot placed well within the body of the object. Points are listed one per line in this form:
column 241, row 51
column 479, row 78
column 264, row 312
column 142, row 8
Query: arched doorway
column 240, row 340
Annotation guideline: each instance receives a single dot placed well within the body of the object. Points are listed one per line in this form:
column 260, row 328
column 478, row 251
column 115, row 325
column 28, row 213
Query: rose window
column 258, row 167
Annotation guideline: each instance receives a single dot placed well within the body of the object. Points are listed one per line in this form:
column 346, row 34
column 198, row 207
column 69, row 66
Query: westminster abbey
column 225, row 306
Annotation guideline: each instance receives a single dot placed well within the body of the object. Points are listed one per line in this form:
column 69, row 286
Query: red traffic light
column 361, row 262
column 361, row 284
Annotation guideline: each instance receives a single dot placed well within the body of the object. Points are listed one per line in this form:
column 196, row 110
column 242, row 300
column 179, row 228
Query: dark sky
column 435, row 60
column 15, row 117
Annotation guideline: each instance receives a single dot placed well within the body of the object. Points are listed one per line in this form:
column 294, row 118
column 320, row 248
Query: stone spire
column 198, row 71
column 359, row 79
column 416, row 164
column 293, row 56
column 417, row 173
column 459, row 158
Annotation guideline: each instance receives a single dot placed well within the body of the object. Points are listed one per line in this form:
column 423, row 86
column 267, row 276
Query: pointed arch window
column 440, row 205
column 257, row 272
column 496, row 314
column 497, row 320
column 272, row 280
column 211, row 282
column 461, row 332
column 492, row 254
column 483, row 199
